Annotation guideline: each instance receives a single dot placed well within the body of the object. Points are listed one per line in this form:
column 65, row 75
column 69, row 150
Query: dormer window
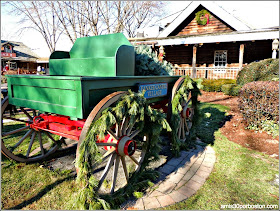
column 7, row 49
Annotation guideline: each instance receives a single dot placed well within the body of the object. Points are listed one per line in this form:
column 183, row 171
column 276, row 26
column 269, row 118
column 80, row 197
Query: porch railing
column 209, row 72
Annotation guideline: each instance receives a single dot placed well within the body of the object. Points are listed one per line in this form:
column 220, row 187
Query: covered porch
column 214, row 56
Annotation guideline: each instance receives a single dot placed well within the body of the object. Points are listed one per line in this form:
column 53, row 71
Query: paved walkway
column 180, row 178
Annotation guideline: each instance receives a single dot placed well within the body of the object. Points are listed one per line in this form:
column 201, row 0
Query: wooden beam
column 194, row 62
column 241, row 53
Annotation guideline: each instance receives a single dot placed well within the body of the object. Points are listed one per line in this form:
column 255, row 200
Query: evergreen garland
column 189, row 86
column 150, row 121
column 147, row 62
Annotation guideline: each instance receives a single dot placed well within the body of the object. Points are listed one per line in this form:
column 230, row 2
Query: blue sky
column 260, row 14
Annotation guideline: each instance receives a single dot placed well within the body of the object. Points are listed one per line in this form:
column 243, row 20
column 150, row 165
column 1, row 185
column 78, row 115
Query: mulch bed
column 234, row 127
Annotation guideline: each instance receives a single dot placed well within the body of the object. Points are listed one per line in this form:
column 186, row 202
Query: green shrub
column 268, row 126
column 264, row 70
column 215, row 85
column 231, row 89
column 258, row 103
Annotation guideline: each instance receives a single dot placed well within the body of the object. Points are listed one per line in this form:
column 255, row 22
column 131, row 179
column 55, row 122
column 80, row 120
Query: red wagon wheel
column 187, row 113
column 20, row 142
column 122, row 144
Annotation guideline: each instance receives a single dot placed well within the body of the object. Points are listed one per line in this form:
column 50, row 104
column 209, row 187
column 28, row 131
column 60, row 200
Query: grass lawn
column 32, row 187
column 240, row 176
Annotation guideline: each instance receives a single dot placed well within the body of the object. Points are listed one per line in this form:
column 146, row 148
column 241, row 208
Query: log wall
column 253, row 51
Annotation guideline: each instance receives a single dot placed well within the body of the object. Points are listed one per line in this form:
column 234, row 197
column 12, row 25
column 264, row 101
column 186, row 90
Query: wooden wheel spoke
column 112, row 134
column 134, row 160
column 50, row 137
column 183, row 130
column 21, row 140
column 130, row 128
column 106, row 144
column 14, row 131
column 115, row 173
column 31, row 143
column 34, row 112
column 124, row 168
column 15, row 119
column 135, row 133
column 109, row 152
column 187, row 127
column 188, row 101
column 106, row 170
column 124, row 125
column 180, row 128
column 26, row 113
column 41, row 143
column 118, row 130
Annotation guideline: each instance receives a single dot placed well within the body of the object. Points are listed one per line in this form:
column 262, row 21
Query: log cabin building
column 17, row 55
column 217, row 45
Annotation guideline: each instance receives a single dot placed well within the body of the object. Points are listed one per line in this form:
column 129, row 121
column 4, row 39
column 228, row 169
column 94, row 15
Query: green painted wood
column 98, row 46
column 73, row 96
column 104, row 55
column 55, row 95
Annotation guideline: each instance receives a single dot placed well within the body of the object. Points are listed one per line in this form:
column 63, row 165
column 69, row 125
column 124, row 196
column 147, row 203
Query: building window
column 13, row 65
column 8, row 49
column 220, row 58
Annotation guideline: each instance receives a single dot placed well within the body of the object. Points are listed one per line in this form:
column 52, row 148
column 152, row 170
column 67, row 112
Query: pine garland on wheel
column 149, row 121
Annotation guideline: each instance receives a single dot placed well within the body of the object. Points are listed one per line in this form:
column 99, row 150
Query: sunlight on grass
column 32, row 187
column 240, row 176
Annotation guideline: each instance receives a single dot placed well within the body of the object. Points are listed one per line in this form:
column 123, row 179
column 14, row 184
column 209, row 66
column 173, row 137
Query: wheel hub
column 125, row 146
column 186, row 112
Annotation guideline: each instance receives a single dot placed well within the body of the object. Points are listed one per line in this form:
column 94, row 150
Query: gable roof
column 211, row 7
column 21, row 49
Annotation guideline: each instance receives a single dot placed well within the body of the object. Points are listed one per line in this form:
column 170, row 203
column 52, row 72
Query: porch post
column 275, row 47
column 194, row 62
column 241, row 53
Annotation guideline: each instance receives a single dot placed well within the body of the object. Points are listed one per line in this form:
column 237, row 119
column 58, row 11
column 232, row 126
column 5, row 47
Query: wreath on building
column 202, row 17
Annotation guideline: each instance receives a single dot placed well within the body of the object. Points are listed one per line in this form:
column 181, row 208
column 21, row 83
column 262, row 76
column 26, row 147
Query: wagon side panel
column 94, row 90
column 47, row 95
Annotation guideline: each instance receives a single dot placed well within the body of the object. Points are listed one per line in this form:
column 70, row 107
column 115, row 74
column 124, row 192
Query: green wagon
column 93, row 76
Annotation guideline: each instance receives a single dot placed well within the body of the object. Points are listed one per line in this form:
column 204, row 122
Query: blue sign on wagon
column 154, row 90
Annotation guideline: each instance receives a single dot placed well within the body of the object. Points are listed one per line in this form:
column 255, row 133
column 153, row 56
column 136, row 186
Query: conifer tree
column 147, row 62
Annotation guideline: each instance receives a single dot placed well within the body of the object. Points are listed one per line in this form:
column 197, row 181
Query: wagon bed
column 74, row 96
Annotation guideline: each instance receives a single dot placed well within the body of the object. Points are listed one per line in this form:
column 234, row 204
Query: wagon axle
column 59, row 125
column 186, row 112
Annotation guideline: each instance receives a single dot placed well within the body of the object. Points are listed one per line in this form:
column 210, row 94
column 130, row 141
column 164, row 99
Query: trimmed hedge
column 258, row 102
column 264, row 70
column 231, row 89
column 215, row 85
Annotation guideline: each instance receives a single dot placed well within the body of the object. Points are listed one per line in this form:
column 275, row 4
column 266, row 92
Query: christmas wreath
column 206, row 16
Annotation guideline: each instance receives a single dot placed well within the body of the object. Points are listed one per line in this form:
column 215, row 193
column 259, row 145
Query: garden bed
column 234, row 129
